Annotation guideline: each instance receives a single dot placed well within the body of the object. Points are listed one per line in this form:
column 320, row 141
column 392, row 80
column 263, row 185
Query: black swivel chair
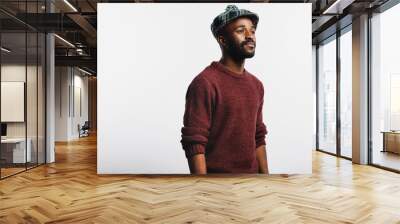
column 84, row 130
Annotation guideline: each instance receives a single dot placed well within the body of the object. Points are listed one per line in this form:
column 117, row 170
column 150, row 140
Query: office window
column 327, row 96
column 346, row 93
column 385, row 90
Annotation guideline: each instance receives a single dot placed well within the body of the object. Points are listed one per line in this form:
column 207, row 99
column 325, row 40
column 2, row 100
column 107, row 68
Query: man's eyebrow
column 240, row 26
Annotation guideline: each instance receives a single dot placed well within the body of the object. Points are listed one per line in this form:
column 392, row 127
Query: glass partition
column 327, row 96
column 22, row 78
column 41, row 107
column 33, row 72
column 13, row 109
column 31, row 100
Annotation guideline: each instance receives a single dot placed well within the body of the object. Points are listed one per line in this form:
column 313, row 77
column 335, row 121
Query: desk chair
column 84, row 130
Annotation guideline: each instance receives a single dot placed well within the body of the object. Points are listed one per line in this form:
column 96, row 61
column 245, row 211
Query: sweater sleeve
column 197, row 117
column 261, row 129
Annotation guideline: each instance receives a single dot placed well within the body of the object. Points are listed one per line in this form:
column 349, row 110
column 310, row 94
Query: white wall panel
column 149, row 53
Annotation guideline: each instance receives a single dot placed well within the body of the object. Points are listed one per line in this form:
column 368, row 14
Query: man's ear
column 221, row 40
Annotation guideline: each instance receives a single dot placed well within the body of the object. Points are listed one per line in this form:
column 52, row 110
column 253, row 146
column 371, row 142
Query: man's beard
column 238, row 52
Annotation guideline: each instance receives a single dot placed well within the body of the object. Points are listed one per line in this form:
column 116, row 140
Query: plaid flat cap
column 231, row 13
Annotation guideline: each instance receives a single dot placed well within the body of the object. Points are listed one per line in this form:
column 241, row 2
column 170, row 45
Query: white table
column 18, row 144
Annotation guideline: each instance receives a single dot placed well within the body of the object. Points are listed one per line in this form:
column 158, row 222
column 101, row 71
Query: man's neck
column 236, row 66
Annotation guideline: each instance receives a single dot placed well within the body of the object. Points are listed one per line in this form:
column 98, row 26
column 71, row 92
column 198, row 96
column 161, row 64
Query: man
column 223, row 127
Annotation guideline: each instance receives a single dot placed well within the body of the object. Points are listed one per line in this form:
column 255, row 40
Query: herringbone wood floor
column 70, row 191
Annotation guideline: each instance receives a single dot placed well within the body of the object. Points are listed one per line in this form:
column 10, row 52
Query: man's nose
column 248, row 34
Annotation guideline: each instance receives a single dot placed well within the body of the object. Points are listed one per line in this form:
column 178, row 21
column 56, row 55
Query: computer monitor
column 3, row 129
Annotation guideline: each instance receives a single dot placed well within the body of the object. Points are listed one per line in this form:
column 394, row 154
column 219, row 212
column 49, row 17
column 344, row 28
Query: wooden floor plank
column 70, row 191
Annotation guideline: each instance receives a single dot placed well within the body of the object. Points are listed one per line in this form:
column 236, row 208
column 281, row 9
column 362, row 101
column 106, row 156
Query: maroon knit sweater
column 223, row 119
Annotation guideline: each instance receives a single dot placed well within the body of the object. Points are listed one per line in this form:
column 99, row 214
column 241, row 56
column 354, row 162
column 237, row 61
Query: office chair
column 84, row 130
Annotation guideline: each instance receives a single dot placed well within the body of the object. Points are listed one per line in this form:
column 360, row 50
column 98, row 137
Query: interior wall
column 92, row 109
column 71, row 102
column 62, row 80
column 82, row 83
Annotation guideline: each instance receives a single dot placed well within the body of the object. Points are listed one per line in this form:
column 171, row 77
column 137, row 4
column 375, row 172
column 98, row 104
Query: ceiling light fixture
column 84, row 71
column 70, row 5
column 64, row 40
column 79, row 51
column 5, row 50
column 337, row 7
column 331, row 7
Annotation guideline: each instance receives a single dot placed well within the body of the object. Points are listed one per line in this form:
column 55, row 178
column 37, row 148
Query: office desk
column 391, row 142
column 13, row 150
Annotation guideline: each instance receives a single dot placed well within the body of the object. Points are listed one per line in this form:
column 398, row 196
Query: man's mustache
column 247, row 42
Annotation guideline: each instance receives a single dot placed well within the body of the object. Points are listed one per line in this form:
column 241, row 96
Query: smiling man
column 223, row 128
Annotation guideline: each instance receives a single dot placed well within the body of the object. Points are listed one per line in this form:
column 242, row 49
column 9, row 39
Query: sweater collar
column 225, row 70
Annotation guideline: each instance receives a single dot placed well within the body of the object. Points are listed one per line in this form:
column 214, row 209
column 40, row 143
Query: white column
column 50, row 93
column 50, row 110
column 360, row 90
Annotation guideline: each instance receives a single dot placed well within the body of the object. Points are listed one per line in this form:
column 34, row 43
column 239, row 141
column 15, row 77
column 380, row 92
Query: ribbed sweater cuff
column 260, row 143
column 193, row 150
